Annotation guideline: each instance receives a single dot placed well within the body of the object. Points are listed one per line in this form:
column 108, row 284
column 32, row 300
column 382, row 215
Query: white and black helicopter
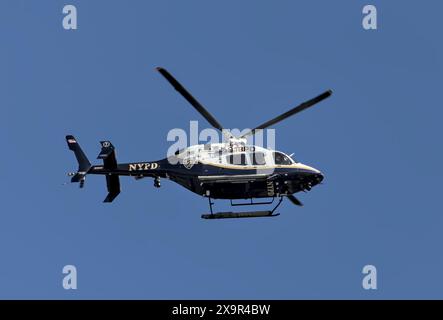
column 231, row 170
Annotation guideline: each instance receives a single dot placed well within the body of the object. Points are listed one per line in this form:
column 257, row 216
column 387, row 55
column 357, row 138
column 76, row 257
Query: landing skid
column 244, row 214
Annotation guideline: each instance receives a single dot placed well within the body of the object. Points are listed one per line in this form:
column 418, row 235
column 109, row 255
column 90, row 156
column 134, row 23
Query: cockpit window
column 237, row 158
column 280, row 158
column 257, row 158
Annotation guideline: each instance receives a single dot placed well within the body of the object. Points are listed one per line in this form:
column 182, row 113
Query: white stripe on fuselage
column 250, row 167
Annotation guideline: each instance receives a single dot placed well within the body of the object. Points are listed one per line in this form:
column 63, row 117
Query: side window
column 257, row 158
column 237, row 158
column 280, row 158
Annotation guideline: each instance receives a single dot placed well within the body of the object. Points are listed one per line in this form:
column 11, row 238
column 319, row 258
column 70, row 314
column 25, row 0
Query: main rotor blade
column 177, row 86
column 294, row 200
column 297, row 109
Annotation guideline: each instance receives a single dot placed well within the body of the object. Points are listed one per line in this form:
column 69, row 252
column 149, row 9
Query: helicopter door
column 257, row 159
column 238, row 159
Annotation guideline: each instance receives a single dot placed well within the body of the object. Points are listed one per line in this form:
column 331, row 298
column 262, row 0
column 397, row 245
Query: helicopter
column 231, row 170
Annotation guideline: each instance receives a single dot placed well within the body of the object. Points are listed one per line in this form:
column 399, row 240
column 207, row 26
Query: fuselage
column 223, row 171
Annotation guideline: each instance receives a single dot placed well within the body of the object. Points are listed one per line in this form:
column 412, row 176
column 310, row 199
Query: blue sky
column 377, row 140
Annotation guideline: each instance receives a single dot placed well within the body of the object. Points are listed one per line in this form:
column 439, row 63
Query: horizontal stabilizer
column 110, row 197
column 107, row 149
column 113, row 185
column 107, row 153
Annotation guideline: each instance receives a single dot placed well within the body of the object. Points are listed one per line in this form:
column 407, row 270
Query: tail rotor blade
column 82, row 183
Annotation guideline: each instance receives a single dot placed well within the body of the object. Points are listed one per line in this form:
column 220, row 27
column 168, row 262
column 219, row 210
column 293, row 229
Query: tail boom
column 111, row 169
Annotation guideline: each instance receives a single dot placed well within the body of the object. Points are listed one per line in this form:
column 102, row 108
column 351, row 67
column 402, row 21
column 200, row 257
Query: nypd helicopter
column 245, row 174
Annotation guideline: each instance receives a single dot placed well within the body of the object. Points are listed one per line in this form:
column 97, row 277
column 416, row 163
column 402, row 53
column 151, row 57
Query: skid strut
column 244, row 214
column 210, row 204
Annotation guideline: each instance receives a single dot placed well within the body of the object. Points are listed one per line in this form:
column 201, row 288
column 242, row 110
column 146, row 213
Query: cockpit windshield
column 280, row 158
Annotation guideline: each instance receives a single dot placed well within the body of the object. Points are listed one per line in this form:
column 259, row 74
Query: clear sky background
column 377, row 140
